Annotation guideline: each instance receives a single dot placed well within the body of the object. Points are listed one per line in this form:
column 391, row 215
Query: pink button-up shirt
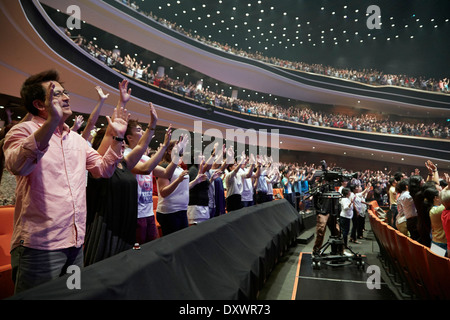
column 50, row 208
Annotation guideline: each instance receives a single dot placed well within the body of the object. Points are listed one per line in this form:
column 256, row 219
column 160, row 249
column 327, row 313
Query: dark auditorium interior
column 346, row 91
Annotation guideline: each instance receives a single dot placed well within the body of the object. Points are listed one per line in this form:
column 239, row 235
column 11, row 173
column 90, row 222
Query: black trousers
column 233, row 202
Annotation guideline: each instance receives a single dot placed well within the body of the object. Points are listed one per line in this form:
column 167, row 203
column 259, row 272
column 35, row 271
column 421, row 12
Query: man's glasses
column 58, row 94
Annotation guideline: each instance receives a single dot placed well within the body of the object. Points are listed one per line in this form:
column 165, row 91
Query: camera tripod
column 336, row 257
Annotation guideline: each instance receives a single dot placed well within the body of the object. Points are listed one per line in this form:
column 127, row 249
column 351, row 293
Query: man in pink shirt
column 50, row 163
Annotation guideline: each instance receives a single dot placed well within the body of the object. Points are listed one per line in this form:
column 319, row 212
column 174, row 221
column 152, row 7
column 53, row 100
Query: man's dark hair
column 98, row 138
column 345, row 192
column 398, row 176
column 32, row 89
column 402, row 185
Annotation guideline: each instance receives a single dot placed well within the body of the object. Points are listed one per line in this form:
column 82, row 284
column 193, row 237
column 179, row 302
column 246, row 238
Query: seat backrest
column 419, row 257
column 439, row 273
column 6, row 230
column 374, row 204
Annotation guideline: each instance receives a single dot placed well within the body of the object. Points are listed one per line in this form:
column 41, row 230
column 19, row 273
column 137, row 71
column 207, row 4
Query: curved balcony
column 248, row 73
column 51, row 48
column 399, row 95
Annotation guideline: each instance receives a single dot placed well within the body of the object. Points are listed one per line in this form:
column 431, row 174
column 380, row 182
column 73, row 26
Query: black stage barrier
column 225, row 258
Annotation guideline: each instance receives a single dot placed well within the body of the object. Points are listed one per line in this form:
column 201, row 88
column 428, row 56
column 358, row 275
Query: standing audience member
column 346, row 213
column 402, row 206
column 50, row 211
column 145, row 170
column 272, row 179
column 233, row 181
column 392, row 193
column 426, row 197
column 361, row 209
column 286, row 182
column 410, row 211
column 173, row 192
column 445, row 216
column 356, row 213
column 198, row 208
column 112, row 203
column 217, row 202
column 435, row 209
column 247, row 177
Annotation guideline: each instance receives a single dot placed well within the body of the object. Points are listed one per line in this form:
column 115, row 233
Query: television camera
column 326, row 201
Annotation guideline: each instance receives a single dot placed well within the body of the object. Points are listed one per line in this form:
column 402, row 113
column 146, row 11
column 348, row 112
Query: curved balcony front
column 247, row 73
column 48, row 47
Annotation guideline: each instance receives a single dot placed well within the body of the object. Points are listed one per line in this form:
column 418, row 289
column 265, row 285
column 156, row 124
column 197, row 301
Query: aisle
column 281, row 283
column 344, row 282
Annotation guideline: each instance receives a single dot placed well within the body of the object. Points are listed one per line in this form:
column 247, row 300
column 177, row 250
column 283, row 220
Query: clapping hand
column 125, row 93
column 119, row 122
column 215, row 175
column 167, row 137
column 230, row 155
column 430, row 166
column 52, row 105
column 78, row 122
column 200, row 177
column 101, row 95
column 153, row 116
column 179, row 148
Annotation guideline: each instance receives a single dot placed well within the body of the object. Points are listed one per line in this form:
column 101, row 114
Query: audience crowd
column 367, row 76
column 95, row 199
column 140, row 70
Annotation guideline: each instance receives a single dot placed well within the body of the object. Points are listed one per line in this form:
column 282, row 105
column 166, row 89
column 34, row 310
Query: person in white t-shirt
column 173, row 192
column 346, row 214
column 233, row 182
column 145, row 170
column 247, row 176
column 403, row 205
column 360, row 209
column 272, row 178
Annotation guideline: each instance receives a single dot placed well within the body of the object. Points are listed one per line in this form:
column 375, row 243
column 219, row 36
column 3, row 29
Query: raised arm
column 92, row 120
column 115, row 132
column 78, row 122
column 150, row 165
column 432, row 172
column 125, row 94
column 55, row 114
column 121, row 112
column 166, row 187
column 132, row 158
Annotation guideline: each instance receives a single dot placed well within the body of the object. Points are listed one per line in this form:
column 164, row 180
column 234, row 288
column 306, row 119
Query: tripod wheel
column 360, row 264
column 316, row 265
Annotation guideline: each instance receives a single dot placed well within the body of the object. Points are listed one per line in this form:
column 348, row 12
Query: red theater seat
column 6, row 229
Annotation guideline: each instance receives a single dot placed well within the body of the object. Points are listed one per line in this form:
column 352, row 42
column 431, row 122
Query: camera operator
column 326, row 209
